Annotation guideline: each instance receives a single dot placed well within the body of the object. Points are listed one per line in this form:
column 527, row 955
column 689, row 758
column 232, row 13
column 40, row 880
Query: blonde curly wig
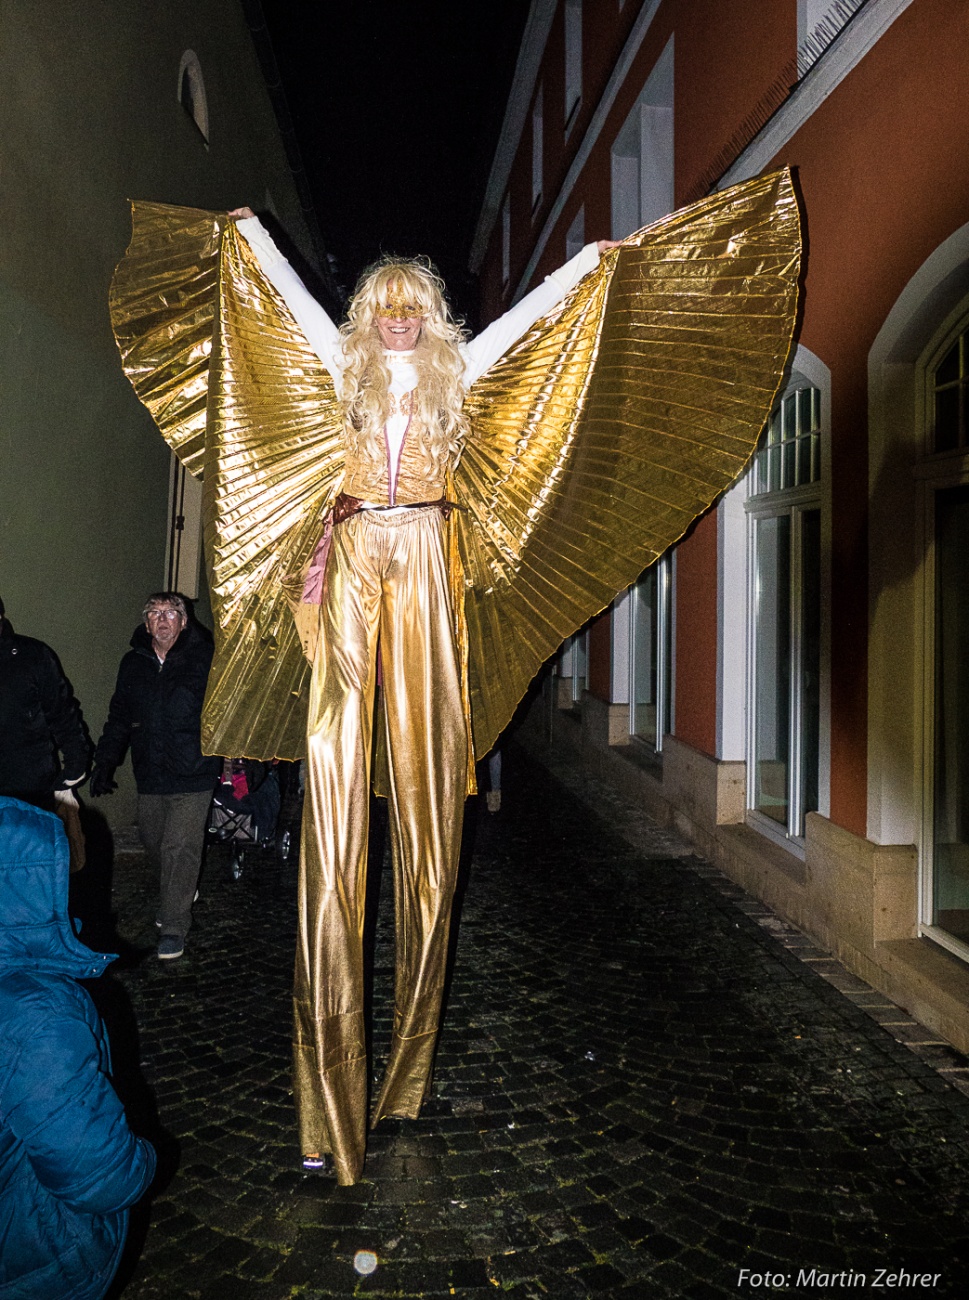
column 439, row 421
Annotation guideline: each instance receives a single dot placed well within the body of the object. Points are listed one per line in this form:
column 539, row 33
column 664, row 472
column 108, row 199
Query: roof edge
column 532, row 51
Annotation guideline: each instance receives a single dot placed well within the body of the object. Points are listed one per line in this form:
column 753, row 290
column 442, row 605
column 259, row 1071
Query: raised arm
column 485, row 349
column 321, row 334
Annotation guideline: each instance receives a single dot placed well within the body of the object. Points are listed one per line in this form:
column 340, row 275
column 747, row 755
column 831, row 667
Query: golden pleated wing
column 255, row 407
column 163, row 301
column 274, row 462
column 615, row 422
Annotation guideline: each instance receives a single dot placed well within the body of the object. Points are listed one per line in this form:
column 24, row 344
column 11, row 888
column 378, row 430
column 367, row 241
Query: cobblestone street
column 646, row 1085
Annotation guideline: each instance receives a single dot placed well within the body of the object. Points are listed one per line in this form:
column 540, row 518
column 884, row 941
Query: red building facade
column 790, row 684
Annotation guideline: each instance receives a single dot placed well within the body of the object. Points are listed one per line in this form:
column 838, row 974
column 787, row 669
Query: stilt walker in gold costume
column 381, row 579
column 454, row 509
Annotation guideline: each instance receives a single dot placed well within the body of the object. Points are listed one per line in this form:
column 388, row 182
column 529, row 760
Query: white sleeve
column 485, row 349
column 321, row 334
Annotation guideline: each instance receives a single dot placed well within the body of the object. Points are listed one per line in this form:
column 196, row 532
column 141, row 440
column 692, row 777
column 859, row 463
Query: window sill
column 748, row 845
column 776, row 833
column 640, row 753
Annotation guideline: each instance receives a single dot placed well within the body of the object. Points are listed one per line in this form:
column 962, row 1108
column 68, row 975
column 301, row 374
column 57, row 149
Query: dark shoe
column 170, row 946
column 317, row 1164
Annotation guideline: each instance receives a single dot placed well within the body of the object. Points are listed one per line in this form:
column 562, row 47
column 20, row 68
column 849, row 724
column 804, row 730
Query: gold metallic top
column 594, row 442
column 370, row 481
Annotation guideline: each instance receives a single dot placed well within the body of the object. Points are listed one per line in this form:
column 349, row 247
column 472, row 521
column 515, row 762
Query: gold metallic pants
column 386, row 585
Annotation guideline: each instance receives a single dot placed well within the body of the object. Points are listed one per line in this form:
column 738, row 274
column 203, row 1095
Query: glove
column 102, row 782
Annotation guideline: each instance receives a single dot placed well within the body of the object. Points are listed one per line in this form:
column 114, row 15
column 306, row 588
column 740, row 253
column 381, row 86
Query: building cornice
column 844, row 54
column 858, row 37
column 534, row 40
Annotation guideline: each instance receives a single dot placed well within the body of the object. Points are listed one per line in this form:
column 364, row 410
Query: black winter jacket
column 157, row 710
column 39, row 716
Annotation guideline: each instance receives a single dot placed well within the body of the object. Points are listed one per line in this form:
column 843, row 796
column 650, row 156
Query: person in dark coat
column 156, row 709
column 44, row 744
column 69, row 1165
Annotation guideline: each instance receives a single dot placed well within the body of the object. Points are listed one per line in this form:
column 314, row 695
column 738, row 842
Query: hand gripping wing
column 600, row 436
column 215, row 355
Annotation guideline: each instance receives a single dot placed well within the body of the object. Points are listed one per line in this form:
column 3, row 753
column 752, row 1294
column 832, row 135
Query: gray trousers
column 172, row 829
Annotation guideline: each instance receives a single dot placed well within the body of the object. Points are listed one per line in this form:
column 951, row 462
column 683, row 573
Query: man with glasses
column 157, row 710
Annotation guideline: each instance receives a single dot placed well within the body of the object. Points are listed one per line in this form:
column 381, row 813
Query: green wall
column 89, row 118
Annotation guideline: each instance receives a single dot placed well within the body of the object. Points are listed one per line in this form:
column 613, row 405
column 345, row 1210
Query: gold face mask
column 396, row 305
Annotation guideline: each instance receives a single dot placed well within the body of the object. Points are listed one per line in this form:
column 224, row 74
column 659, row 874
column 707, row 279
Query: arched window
column 784, row 638
column 191, row 93
column 945, row 472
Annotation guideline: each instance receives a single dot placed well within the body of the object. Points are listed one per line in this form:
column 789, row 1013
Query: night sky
column 397, row 109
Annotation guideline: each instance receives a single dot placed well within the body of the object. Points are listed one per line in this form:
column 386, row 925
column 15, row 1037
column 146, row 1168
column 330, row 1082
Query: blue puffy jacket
column 69, row 1164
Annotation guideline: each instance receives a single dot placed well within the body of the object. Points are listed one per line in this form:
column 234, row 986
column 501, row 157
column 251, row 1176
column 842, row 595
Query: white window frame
column 575, row 235
column 642, row 157
column 183, row 559
column 929, row 310
column 935, row 472
column 506, row 241
column 575, row 653
column 642, row 191
column 573, row 62
column 665, row 653
column 808, row 372
column 538, row 148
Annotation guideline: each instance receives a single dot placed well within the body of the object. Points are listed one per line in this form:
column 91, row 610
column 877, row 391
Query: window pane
column 789, row 454
column 804, row 448
column 666, row 596
column 788, row 473
column 772, row 650
column 951, row 803
column 810, row 701
column 645, row 616
column 580, row 664
column 573, row 55
column 947, row 419
column 948, row 370
column 805, row 413
column 790, row 416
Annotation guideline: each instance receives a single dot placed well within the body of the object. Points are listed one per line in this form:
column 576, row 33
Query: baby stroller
column 291, row 786
column 245, row 809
